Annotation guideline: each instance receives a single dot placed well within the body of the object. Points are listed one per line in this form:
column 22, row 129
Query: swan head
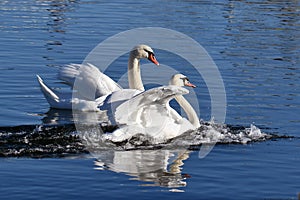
column 181, row 80
column 144, row 51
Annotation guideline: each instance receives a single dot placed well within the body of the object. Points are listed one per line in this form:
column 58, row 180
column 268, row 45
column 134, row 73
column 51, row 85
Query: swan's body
column 149, row 113
column 92, row 86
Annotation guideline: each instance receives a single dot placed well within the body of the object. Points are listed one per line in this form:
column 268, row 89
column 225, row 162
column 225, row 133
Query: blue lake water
column 256, row 46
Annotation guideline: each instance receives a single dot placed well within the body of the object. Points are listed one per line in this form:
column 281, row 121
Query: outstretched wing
column 90, row 82
column 149, row 106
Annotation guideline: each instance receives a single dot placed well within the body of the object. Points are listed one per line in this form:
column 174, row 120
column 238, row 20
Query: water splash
column 64, row 140
column 208, row 133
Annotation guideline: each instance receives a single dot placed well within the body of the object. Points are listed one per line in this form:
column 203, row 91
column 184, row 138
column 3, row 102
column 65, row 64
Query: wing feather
column 90, row 81
column 148, row 105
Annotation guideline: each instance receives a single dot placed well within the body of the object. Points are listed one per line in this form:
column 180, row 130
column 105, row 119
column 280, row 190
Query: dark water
column 256, row 46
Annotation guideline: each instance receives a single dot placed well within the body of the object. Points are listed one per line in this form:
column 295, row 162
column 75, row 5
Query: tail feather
column 48, row 93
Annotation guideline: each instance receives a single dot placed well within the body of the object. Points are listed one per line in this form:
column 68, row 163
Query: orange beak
column 190, row 85
column 153, row 59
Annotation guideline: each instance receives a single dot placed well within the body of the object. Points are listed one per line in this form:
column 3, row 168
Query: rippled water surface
column 256, row 46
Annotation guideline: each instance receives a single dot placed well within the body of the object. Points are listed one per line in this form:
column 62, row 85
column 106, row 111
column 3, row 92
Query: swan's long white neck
column 134, row 73
column 188, row 109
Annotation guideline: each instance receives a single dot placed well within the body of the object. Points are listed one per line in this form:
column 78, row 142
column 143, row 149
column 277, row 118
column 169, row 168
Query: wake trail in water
column 39, row 141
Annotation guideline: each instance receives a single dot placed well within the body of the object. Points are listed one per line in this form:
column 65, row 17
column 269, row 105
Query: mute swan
column 93, row 83
column 149, row 113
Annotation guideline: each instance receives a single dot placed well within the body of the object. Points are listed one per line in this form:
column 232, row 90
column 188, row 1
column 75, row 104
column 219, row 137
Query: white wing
column 90, row 82
column 152, row 103
column 150, row 114
column 113, row 100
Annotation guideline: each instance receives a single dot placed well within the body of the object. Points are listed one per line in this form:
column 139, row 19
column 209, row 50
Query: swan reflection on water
column 159, row 167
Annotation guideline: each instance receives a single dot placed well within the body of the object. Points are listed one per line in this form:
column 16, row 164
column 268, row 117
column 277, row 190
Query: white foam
column 208, row 133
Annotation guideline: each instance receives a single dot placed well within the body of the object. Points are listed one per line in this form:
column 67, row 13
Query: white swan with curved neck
column 149, row 113
column 92, row 86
